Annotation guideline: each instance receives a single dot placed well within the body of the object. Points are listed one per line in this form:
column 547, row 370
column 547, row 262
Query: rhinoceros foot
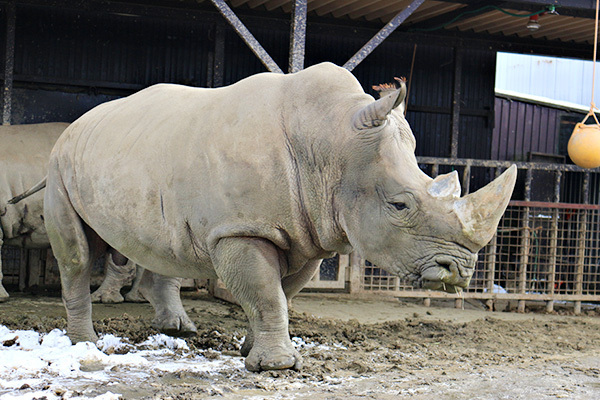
column 273, row 357
column 82, row 335
column 175, row 325
column 107, row 296
column 134, row 296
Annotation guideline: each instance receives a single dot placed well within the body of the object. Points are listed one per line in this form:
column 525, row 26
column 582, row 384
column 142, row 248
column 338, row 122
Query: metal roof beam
column 382, row 35
column 246, row 36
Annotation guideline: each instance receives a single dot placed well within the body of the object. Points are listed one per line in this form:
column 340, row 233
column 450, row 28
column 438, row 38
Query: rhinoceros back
column 146, row 170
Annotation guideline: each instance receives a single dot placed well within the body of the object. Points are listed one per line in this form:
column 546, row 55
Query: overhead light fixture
column 533, row 23
column 552, row 10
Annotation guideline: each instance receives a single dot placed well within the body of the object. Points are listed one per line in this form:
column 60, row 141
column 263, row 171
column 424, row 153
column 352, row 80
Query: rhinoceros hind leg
column 135, row 295
column 163, row 293
column 293, row 284
column 71, row 247
column 250, row 269
column 116, row 276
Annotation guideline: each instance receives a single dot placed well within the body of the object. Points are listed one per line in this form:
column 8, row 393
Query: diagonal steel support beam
column 382, row 35
column 298, row 36
column 246, row 36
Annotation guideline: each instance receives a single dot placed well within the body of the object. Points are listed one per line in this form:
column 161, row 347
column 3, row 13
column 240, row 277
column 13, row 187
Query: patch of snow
column 34, row 365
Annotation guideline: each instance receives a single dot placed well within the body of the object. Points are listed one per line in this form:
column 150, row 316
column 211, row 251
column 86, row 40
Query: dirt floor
column 370, row 349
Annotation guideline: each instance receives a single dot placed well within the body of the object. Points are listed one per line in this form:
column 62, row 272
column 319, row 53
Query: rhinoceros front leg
column 135, row 295
column 250, row 269
column 163, row 293
column 292, row 285
column 119, row 271
column 3, row 292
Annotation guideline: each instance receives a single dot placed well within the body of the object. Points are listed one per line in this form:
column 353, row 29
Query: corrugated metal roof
column 574, row 23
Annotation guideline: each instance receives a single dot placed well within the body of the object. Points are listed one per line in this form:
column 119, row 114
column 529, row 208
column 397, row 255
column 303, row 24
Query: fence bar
column 491, row 261
column 466, row 180
column 553, row 241
column 582, row 224
column 525, row 242
column 541, row 166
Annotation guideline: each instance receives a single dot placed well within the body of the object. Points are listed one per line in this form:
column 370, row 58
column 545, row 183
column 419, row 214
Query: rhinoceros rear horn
column 480, row 212
column 375, row 114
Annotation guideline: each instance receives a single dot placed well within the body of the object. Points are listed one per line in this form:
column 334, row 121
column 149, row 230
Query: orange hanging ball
column 584, row 145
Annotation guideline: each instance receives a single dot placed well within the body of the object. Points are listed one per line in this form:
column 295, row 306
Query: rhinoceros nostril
column 444, row 264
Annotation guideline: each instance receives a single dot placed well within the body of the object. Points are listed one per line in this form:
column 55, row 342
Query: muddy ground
column 374, row 349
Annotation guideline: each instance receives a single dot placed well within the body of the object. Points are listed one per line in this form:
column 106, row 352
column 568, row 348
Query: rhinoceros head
column 402, row 220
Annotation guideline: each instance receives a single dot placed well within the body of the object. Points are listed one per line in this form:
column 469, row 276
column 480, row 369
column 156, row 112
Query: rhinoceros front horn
column 480, row 212
column 375, row 114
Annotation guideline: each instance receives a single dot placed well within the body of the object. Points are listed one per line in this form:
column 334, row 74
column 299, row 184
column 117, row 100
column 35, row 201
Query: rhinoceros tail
column 39, row 186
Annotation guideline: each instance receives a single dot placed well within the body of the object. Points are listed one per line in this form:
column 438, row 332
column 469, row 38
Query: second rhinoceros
column 255, row 184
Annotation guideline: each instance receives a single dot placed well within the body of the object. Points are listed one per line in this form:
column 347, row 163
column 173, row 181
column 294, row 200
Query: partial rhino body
column 24, row 154
column 255, row 184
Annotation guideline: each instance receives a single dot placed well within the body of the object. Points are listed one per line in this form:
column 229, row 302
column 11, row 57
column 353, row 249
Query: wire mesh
column 539, row 249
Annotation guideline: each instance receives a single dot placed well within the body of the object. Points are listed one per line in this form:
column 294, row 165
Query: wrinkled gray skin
column 24, row 154
column 255, row 184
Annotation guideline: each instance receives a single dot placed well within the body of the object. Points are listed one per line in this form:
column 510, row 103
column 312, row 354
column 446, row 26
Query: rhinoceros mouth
column 445, row 275
column 442, row 286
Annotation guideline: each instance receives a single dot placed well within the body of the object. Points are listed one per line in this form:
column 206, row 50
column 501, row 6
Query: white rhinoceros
column 24, row 154
column 254, row 184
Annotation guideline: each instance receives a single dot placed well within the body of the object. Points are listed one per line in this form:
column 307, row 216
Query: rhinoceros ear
column 375, row 114
column 445, row 185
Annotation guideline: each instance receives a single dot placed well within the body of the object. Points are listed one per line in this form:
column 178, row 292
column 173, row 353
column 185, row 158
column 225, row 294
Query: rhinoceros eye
column 399, row 206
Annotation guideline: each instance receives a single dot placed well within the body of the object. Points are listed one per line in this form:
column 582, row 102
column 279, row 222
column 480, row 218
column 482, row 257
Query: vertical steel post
column 490, row 262
column 581, row 241
column 219, row 60
column 357, row 270
column 456, row 95
column 553, row 243
column 524, row 259
column 382, row 35
column 298, row 36
column 466, row 180
column 9, row 62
